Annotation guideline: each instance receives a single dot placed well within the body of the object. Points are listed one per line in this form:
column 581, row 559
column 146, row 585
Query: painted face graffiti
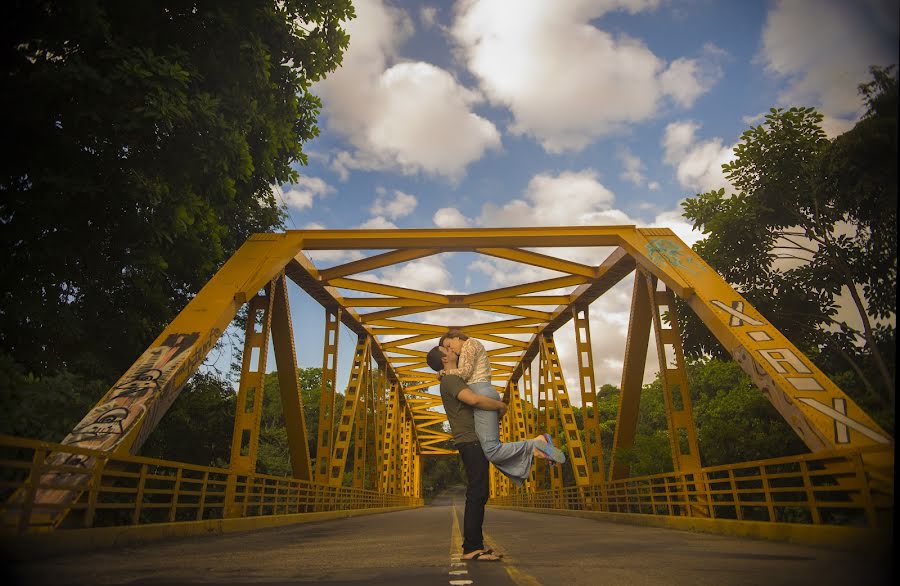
column 108, row 423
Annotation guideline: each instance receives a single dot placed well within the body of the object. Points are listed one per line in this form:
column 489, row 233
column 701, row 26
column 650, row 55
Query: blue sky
column 481, row 113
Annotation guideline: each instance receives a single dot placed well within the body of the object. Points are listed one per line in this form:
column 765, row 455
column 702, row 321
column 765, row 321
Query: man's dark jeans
column 477, row 490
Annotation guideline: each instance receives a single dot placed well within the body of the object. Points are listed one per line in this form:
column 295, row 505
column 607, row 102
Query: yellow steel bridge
column 93, row 485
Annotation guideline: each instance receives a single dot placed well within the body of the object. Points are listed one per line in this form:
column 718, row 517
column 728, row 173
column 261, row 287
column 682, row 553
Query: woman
column 513, row 459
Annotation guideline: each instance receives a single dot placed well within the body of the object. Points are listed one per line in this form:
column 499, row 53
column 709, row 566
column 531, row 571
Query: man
column 459, row 402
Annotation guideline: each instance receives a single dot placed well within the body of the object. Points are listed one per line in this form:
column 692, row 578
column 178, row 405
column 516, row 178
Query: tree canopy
column 147, row 136
column 812, row 218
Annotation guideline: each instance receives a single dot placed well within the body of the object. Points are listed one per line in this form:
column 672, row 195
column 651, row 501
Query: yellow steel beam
column 327, row 390
column 249, row 405
column 613, row 269
column 375, row 262
column 525, row 300
column 396, row 312
column 510, row 310
column 632, row 375
column 392, row 345
column 386, row 302
column 540, row 260
column 368, row 287
column 590, row 410
column 355, row 386
column 463, row 239
column 288, row 383
column 545, row 285
column 497, row 325
column 556, row 387
column 821, row 414
column 676, row 394
column 393, row 323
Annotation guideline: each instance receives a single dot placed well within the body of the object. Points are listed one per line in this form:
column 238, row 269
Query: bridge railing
column 35, row 477
column 828, row 488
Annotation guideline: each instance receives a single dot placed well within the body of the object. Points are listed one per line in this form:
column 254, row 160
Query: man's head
column 440, row 358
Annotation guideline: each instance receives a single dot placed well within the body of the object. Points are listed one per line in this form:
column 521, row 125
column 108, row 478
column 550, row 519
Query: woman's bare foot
column 538, row 453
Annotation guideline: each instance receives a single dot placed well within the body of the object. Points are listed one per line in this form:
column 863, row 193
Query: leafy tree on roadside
column 198, row 426
column 812, row 218
column 147, row 136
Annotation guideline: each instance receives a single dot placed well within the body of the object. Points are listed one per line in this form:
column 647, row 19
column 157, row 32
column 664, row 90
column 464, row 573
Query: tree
column 812, row 218
column 735, row 422
column 147, row 136
column 198, row 426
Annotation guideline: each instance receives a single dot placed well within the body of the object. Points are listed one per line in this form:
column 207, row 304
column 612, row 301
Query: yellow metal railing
column 830, row 488
column 134, row 490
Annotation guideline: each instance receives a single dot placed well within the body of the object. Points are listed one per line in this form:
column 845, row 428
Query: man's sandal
column 483, row 556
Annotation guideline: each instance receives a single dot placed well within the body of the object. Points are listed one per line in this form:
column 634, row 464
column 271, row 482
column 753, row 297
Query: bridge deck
column 416, row 547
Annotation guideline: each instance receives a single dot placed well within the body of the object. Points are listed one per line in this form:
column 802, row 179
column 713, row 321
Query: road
column 421, row 547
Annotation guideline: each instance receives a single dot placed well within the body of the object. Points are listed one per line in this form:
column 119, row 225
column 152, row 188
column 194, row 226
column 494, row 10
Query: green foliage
column 147, row 137
column 274, row 451
column 44, row 408
column 735, row 421
column 198, row 426
column 441, row 472
column 811, row 219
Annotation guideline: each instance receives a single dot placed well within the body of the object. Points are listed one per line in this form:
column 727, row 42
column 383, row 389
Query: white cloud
column 823, row 48
column 632, row 167
column 698, row 164
column 569, row 198
column 450, row 218
column 402, row 204
column 300, row 195
column 675, row 221
column 425, row 274
column 428, row 16
column 607, row 81
column 325, row 258
column 410, row 117
column 378, row 223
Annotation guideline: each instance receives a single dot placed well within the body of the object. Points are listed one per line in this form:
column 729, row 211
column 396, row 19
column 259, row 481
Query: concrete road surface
column 421, row 547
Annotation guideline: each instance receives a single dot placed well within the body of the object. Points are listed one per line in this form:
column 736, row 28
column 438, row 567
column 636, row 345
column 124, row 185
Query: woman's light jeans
column 513, row 459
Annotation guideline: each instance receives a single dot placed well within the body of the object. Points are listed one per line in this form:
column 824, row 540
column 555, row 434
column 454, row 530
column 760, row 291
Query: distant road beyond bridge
column 421, row 547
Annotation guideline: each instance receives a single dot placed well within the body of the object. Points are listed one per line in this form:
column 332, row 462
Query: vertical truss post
column 530, row 416
column 248, row 409
column 288, row 383
column 632, row 375
column 327, row 392
column 589, row 408
column 406, row 450
column 351, row 403
column 245, row 439
column 518, row 408
column 417, row 477
column 551, row 417
column 382, row 394
column 372, row 430
column 677, row 395
column 542, row 422
column 360, row 429
column 391, row 430
column 556, row 384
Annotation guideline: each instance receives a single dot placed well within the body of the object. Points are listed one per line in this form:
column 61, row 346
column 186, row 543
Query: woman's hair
column 453, row 334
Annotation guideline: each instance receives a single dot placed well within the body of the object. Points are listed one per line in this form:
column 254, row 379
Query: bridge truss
column 370, row 451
